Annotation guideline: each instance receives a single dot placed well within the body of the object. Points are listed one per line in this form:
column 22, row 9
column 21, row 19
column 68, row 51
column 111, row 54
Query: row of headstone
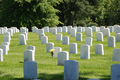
column 11, row 30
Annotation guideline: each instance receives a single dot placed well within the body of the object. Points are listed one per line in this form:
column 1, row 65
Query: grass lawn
column 98, row 66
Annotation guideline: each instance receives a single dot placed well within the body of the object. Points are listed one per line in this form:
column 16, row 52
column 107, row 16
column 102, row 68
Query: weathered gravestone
column 62, row 56
column 89, row 32
column 30, row 70
column 115, row 72
column 73, row 48
column 44, row 39
column 99, row 36
column 56, row 50
column 49, row 46
column 118, row 37
column 40, row 35
column 106, row 32
column 73, row 32
column 71, row 70
column 78, row 36
column 116, row 54
column 99, row 49
column 88, row 41
column 65, row 40
column 85, row 52
column 31, row 48
column 5, row 49
column 28, row 55
column 22, row 39
column 59, row 37
column 1, row 30
column 111, row 41
column 54, row 31
column 1, row 55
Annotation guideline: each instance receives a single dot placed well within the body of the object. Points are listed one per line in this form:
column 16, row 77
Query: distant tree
column 29, row 13
column 75, row 12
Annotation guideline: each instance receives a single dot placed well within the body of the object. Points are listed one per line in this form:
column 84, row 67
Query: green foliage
column 74, row 12
column 29, row 13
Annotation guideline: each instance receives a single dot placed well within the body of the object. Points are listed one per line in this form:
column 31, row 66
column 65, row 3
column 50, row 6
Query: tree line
column 40, row 13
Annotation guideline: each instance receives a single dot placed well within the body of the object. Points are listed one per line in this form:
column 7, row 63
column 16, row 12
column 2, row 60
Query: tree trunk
column 29, row 27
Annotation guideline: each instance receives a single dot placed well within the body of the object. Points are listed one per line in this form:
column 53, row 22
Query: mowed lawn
column 98, row 66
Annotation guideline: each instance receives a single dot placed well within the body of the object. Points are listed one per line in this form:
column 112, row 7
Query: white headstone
column 118, row 37
column 1, row 55
column 78, row 36
column 85, row 52
column 62, row 56
column 26, row 35
column 73, row 48
column 65, row 40
column 116, row 54
column 79, row 29
column 7, row 34
column 40, row 35
column 73, row 32
column 30, row 70
column 49, row 46
column 99, row 49
column 64, row 29
column 7, row 44
column 71, row 70
column 39, row 31
column 89, row 32
column 94, row 28
column 7, row 39
column 117, row 30
column 115, row 26
column 111, row 41
column 106, row 32
column 46, row 29
column 59, row 37
column 54, row 31
column 56, row 50
column 11, row 32
column 22, row 39
column 59, row 29
column 88, row 41
column 31, row 48
column 4, row 48
column 28, row 55
column 69, row 28
column 115, row 72
column 44, row 39
column 99, row 36
column 102, row 28
column 111, row 28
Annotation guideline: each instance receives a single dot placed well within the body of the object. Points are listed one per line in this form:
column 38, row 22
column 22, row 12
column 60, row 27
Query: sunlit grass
column 98, row 66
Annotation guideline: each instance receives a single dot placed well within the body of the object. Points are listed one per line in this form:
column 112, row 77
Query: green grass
column 98, row 66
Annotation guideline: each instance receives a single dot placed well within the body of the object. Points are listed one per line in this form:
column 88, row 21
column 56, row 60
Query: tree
column 75, row 12
column 29, row 13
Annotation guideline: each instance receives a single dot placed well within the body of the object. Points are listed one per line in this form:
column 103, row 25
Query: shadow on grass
column 44, row 76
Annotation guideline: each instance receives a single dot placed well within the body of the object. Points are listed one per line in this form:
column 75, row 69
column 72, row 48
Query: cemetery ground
column 98, row 66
